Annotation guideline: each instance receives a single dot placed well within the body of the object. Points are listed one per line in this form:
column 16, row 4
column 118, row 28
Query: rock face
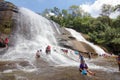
column 1, row 0
column 6, row 11
column 68, row 41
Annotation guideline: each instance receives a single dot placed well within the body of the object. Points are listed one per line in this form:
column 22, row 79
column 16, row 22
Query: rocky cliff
column 68, row 41
column 7, row 10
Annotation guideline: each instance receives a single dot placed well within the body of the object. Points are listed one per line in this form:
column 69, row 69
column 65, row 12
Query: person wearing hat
column 118, row 61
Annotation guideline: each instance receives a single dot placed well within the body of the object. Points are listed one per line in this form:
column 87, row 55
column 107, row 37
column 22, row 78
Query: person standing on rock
column 89, row 55
column 81, row 57
column 118, row 61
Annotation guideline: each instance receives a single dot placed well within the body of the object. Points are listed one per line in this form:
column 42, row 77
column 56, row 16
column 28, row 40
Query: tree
column 64, row 13
column 105, row 20
column 56, row 11
column 75, row 10
column 45, row 13
column 106, row 10
column 116, row 23
column 117, row 8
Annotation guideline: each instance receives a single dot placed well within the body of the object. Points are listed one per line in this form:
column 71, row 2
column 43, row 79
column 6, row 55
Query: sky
column 91, row 6
column 95, row 8
column 41, row 5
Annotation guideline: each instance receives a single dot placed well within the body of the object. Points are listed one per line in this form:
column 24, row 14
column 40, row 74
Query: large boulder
column 7, row 13
column 7, row 10
column 68, row 41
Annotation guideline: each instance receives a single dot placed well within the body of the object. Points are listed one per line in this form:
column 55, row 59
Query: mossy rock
column 6, row 12
column 7, row 30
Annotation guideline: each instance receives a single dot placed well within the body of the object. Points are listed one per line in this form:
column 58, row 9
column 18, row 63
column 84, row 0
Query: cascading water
column 33, row 33
column 79, row 37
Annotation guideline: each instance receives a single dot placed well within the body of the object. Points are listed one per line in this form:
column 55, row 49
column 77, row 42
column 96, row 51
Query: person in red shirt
column 48, row 49
column 6, row 41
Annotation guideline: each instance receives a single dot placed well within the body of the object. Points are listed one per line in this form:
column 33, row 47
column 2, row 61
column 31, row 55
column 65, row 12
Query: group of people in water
column 83, row 67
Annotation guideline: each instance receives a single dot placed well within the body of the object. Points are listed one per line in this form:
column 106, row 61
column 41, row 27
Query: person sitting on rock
column 83, row 68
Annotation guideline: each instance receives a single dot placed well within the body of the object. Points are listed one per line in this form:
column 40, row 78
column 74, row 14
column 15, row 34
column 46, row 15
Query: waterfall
column 33, row 33
column 79, row 37
column 56, row 28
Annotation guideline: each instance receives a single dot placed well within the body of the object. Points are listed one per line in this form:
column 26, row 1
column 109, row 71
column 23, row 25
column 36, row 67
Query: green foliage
column 106, row 9
column 116, row 22
column 117, row 8
column 101, row 30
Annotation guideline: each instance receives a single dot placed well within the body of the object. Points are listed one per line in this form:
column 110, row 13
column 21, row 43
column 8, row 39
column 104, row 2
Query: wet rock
column 7, row 11
column 68, row 41
column 7, row 77
column 7, row 6
column 6, row 65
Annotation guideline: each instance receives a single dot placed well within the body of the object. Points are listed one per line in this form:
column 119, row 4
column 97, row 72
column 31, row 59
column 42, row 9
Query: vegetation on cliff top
column 102, row 30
